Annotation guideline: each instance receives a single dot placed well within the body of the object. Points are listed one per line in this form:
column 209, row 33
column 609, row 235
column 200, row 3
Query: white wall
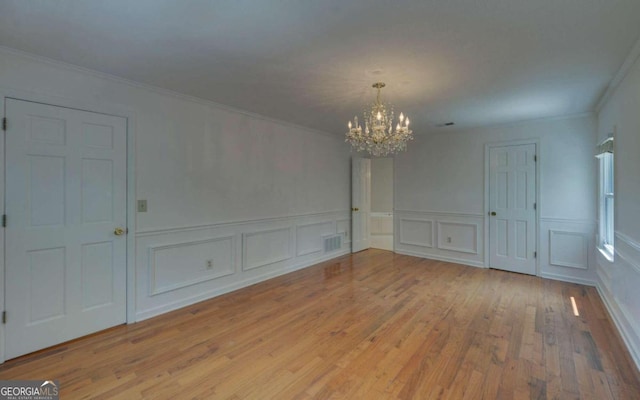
column 619, row 281
column 440, row 192
column 254, row 194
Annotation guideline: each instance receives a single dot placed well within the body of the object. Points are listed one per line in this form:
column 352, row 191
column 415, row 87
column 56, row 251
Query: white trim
column 412, row 243
column 623, row 324
column 443, row 246
column 158, row 90
column 628, row 241
column 605, row 228
column 606, row 253
column 462, row 261
column 131, row 219
column 163, row 231
column 566, row 278
column 569, row 220
column 631, row 58
column 344, row 233
column 624, row 240
column 151, row 265
column 603, row 278
column 235, row 286
column 311, row 251
column 447, row 213
column 378, row 214
column 101, row 108
column 288, row 256
column 394, row 188
column 487, row 238
column 3, row 99
column 586, row 239
column 627, row 252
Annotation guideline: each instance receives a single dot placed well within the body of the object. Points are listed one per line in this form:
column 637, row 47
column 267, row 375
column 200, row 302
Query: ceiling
column 474, row 62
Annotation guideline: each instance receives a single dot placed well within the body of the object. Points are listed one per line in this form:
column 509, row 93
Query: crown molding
column 158, row 90
column 631, row 58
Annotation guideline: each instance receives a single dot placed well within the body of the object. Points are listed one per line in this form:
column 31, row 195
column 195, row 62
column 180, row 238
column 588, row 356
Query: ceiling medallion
column 379, row 138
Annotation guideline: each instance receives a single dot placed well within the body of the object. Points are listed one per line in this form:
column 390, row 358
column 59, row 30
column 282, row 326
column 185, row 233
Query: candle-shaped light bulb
column 401, row 117
column 350, row 125
column 398, row 127
column 406, row 122
column 379, row 116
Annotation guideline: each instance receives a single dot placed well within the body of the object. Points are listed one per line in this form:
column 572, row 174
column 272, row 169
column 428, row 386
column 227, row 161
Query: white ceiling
column 475, row 62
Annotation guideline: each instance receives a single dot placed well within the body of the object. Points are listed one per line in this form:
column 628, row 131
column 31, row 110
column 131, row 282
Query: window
column 606, row 196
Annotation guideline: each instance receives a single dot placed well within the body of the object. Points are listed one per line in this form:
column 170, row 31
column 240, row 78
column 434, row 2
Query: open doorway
column 372, row 204
column 381, row 217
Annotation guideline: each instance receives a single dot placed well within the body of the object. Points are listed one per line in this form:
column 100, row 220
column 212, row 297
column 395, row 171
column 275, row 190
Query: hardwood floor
column 374, row 325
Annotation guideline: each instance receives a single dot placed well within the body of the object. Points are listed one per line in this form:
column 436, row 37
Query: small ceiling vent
column 445, row 124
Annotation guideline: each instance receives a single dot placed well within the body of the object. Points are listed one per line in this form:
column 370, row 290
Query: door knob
column 118, row 232
column 356, row 209
column 493, row 213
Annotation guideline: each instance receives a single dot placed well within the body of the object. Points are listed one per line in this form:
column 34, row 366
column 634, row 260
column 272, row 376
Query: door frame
column 393, row 197
column 354, row 160
column 101, row 108
column 487, row 166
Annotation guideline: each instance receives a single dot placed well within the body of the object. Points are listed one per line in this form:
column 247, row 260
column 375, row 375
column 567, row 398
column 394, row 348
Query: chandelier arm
column 379, row 137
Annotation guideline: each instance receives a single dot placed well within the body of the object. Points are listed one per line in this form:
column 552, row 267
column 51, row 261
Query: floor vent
column 332, row 243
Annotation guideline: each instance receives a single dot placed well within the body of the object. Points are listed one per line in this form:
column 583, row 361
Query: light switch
column 142, row 206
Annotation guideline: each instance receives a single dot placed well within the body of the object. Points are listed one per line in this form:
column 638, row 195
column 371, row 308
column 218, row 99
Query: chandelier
column 379, row 137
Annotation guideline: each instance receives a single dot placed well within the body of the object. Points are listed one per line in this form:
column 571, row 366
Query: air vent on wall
column 332, row 243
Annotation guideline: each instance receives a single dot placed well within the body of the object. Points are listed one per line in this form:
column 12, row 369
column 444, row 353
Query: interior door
column 512, row 208
column 360, row 203
column 66, row 218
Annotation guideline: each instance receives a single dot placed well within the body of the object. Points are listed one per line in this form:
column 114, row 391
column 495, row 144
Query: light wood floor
column 372, row 326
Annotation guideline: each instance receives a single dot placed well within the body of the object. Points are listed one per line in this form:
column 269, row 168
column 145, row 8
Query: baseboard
column 623, row 325
column 471, row 263
column 570, row 279
column 154, row 312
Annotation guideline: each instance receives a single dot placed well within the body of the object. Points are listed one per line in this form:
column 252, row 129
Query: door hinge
column 4, row 220
column 4, row 317
column 535, row 158
column 535, row 254
column 535, row 206
column 4, row 123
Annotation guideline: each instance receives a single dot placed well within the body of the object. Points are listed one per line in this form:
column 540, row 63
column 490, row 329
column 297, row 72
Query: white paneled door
column 360, row 203
column 66, row 224
column 512, row 208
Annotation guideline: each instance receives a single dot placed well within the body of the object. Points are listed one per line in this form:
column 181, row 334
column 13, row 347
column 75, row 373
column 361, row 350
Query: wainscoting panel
column 309, row 237
column 565, row 246
column 453, row 237
column 181, row 266
column 458, row 236
column 416, row 232
column 200, row 260
column 618, row 286
column 566, row 250
column 267, row 247
column 569, row 249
